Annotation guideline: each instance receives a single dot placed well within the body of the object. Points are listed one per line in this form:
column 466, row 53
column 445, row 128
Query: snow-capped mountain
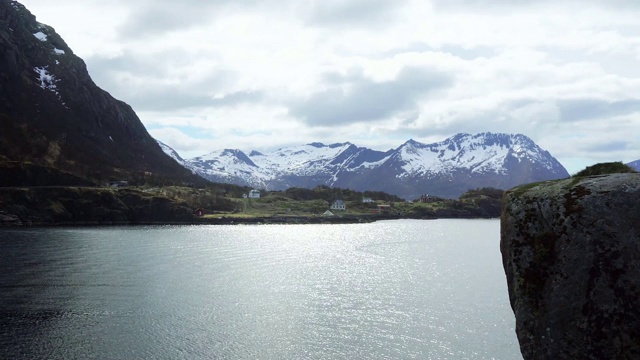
column 635, row 165
column 448, row 168
column 172, row 153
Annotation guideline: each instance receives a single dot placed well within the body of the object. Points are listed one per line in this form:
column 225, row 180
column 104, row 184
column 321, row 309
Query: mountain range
column 445, row 169
column 635, row 165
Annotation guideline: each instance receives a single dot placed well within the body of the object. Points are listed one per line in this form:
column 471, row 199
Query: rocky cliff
column 571, row 253
column 53, row 114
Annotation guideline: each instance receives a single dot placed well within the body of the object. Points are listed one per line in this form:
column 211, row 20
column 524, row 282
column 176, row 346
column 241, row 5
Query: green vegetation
column 605, row 168
column 330, row 194
column 301, row 202
column 296, row 202
column 207, row 198
column 37, row 194
column 477, row 203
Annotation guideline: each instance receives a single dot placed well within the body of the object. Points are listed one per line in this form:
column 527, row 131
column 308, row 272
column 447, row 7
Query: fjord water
column 431, row 289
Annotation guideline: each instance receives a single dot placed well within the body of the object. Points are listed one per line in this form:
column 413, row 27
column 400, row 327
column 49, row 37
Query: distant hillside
column 446, row 169
column 635, row 165
column 52, row 113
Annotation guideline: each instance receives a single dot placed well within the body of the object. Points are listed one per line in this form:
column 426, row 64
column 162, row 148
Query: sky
column 260, row 75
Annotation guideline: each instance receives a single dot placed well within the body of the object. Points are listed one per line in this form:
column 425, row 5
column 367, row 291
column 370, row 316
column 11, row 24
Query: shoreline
column 8, row 221
column 258, row 220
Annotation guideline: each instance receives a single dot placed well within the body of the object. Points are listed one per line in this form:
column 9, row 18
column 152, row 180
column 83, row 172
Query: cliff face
column 53, row 114
column 571, row 253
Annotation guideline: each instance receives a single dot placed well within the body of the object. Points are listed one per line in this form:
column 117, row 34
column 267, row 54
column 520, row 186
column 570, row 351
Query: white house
column 119, row 184
column 338, row 205
column 254, row 194
column 367, row 200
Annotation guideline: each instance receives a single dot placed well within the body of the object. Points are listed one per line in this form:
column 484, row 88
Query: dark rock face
column 53, row 114
column 16, row 173
column 52, row 206
column 571, row 253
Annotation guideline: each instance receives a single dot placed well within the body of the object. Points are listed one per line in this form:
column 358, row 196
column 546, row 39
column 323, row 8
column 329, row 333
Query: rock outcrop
column 571, row 253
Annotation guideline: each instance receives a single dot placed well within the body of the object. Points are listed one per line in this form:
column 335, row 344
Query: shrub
column 605, row 168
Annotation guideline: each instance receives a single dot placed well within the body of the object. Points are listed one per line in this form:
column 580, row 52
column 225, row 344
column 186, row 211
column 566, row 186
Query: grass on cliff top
column 616, row 167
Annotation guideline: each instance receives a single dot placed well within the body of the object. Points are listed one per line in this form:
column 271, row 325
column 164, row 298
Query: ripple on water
column 388, row 290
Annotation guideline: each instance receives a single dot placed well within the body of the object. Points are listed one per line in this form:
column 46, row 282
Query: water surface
column 389, row 290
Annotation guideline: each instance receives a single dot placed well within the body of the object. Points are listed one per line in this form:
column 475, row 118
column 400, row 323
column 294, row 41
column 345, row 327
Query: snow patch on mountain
column 302, row 160
column 480, row 153
column 40, row 36
column 47, row 80
column 172, row 154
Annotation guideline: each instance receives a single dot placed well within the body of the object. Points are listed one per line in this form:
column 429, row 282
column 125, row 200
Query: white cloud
column 263, row 74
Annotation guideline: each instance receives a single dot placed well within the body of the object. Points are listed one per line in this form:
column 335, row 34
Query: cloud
column 355, row 98
column 155, row 18
column 493, row 5
column 588, row 109
column 469, row 52
column 167, row 99
column 610, row 146
column 353, row 13
column 133, row 77
column 185, row 145
column 127, row 62
column 171, row 98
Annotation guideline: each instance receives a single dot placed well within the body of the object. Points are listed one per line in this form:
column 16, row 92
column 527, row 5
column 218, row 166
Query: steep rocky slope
column 53, row 114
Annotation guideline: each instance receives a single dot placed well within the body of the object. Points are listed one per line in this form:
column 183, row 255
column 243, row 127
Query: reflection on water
column 388, row 290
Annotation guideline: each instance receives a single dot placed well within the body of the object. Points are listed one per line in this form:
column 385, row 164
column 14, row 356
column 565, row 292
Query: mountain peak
column 331, row 146
column 635, row 165
column 412, row 142
column 337, row 145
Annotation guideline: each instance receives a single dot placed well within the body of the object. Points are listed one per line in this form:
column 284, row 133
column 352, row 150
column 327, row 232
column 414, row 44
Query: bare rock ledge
column 571, row 254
